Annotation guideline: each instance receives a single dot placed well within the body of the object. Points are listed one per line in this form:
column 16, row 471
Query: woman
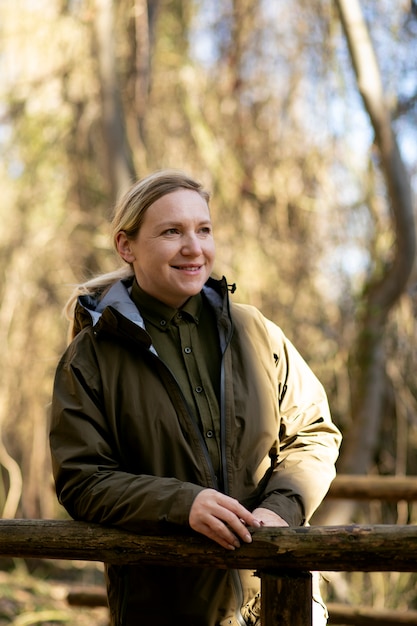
column 170, row 404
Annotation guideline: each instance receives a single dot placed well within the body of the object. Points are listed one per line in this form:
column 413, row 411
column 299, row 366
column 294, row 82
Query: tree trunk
column 120, row 167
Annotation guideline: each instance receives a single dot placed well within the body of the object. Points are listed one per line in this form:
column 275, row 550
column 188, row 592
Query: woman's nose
column 191, row 245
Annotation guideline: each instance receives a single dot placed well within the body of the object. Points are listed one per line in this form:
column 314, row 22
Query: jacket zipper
column 234, row 574
column 224, row 344
column 191, row 419
column 223, row 428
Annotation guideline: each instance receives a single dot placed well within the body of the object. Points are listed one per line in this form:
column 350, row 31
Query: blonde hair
column 128, row 217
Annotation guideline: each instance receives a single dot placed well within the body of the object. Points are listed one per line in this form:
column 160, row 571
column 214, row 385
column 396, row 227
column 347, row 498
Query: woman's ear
column 123, row 247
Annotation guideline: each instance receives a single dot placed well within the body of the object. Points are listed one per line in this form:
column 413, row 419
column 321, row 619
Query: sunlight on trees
column 257, row 99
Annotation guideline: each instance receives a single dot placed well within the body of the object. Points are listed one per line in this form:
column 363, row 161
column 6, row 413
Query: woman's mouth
column 188, row 268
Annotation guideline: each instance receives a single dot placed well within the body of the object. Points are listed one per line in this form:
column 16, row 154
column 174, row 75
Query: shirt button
column 187, row 350
column 198, row 389
column 162, row 323
column 209, row 434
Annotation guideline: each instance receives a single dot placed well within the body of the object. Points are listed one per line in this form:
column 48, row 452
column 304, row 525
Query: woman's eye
column 171, row 231
column 206, row 230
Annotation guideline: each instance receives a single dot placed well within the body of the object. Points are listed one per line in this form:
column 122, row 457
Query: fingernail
column 248, row 538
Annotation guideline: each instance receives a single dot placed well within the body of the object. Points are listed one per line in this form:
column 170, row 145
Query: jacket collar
column 89, row 310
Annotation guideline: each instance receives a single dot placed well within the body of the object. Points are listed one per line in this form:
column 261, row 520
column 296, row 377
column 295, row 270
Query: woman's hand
column 268, row 518
column 221, row 518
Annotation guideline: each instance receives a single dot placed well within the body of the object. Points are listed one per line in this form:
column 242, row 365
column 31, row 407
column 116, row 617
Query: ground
column 40, row 596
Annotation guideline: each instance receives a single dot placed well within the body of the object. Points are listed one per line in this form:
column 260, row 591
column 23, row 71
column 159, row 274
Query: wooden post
column 286, row 598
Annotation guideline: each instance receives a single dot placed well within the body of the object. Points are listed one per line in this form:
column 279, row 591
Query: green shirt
column 186, row 339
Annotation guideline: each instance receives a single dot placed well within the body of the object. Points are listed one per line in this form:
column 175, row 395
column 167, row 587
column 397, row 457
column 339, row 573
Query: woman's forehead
column 182, row 204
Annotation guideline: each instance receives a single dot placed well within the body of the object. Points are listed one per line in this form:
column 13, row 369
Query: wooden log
column 87, row 596
column 388, row 488
column 363, row 616
column 286, row 598
column 327, row 548
column 338, row 613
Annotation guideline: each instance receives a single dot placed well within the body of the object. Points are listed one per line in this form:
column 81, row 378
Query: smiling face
column 173, row 253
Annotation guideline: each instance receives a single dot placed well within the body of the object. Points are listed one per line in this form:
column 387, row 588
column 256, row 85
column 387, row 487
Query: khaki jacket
column 125, row 448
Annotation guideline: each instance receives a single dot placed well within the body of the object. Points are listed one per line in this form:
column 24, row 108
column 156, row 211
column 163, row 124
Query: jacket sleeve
column 309, row 441
column 87, row 461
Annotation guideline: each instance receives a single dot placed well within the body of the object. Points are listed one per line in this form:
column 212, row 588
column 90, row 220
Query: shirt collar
column 161, row 315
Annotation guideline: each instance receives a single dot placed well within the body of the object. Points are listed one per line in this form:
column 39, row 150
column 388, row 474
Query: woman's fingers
column 221, row 535
column 221, row 518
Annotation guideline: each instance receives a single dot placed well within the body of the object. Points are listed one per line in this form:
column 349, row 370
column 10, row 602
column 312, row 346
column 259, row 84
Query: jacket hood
column 89, row 308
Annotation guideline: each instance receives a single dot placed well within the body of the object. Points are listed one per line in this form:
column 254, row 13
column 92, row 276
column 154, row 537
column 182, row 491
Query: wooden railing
column 387, row 488
column 282, row 557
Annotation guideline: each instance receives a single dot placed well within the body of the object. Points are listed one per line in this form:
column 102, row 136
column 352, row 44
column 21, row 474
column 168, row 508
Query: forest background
column 300, row 117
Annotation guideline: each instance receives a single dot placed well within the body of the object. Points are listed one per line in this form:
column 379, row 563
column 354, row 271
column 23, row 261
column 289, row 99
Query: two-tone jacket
column 125, row 448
